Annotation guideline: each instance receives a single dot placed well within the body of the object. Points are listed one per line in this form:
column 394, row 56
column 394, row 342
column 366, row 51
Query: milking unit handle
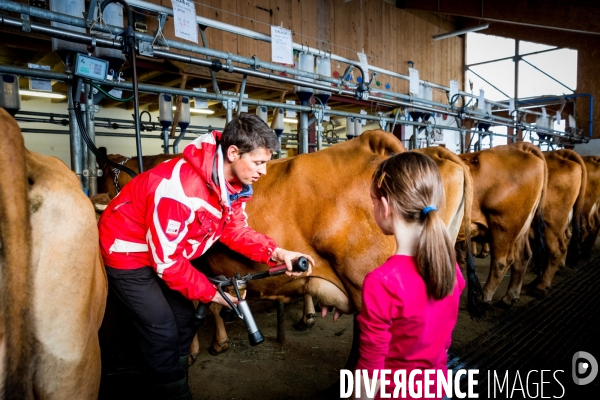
column 299, row 264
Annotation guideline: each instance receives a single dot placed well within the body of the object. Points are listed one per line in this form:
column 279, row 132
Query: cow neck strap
column 117, row 171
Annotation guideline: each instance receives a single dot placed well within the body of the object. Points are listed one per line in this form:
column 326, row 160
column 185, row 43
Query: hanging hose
column 129, row 50
column 75, row 93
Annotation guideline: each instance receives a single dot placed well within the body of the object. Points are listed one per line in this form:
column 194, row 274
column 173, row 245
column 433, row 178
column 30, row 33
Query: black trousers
column 163, row 317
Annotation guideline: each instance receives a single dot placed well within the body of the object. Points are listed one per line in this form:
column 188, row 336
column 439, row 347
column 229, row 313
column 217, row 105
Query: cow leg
column 518, row 268
column 502, row 253
column 485, row 250
column 219, row 344
column 194, row 350
column 474, row 249
column 308, row 317
column 557, row 250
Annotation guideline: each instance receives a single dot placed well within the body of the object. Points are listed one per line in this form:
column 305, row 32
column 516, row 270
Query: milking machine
column 238, row 284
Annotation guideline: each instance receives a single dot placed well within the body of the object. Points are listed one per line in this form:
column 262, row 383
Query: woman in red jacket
column 410, row 303
column 173, row 213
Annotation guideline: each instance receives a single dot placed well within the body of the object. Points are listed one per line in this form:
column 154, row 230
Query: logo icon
column 584, row 364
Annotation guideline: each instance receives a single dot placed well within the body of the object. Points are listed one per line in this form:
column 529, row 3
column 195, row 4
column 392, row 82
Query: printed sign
column 184, row 18
column 282, row 50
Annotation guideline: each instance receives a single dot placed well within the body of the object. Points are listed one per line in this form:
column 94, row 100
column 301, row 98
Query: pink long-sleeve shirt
column 401, row 328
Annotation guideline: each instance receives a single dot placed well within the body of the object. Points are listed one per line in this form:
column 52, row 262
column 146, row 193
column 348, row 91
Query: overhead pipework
column 318, row 83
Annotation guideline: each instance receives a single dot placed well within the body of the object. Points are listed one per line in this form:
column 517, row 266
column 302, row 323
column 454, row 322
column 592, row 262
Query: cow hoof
column 536, row 292
column 310, row 321
column 503, row 305
column 218, row 348
column 301, row 325
column 192, row 359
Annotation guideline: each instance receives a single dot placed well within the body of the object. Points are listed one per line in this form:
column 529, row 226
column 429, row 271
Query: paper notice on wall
column 199, row 102
column 40, row 84
column 184, row 19
column 364, row 64
column 290, row 113
column 413, row 76
column 282, row 50
column 481, row 100
column 558, row 117
column 326, row 116
column 363, row 121
column 453, row 90
column 511, row 106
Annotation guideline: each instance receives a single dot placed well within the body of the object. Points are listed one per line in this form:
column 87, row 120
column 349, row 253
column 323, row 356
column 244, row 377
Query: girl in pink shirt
column 410, row 303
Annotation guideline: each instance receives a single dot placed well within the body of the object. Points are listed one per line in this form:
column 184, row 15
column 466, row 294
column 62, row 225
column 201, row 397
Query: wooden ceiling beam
column 559, row 14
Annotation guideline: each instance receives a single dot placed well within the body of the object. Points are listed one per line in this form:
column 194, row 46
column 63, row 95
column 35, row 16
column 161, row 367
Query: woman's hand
column 284, row 256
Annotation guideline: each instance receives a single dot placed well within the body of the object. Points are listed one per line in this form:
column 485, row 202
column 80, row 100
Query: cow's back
column 591, row 216
column 69, row 282
column 508, row 184
column 60, row 276
column 566, row 178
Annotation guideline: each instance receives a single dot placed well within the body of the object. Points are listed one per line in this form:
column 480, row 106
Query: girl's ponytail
column 435, row 256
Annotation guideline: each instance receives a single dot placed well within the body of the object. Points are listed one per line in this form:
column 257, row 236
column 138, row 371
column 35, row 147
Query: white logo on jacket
column 173, row 227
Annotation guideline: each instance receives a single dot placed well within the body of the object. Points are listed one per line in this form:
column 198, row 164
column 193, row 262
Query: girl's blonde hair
column 412, row 185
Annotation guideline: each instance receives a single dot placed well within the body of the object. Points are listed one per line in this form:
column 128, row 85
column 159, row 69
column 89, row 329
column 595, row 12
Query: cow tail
column 15, row 276
column 538, row 225
column 475, row 306
column 574, row 250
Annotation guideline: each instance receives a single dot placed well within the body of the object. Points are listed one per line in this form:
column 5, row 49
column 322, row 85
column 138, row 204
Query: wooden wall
column 389, row 36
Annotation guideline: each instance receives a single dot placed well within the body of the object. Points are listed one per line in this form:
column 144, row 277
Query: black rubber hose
column 86, row 136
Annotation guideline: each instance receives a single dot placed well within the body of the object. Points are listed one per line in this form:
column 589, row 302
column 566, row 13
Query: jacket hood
column 200, row 154
column 204, row 154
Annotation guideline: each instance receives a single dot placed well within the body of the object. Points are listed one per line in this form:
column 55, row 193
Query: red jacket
column 175, row 212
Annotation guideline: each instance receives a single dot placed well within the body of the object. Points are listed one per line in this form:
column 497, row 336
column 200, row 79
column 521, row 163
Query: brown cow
column 565, row 197
column 591, row 212
column 107, row 184
column 53, row 283
column 319, row 204
column 509, row 192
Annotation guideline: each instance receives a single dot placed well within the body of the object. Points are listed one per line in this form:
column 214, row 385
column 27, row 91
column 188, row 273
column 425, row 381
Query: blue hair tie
column 429, row 208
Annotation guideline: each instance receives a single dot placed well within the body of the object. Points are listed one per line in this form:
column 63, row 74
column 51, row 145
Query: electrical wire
column 110, row 96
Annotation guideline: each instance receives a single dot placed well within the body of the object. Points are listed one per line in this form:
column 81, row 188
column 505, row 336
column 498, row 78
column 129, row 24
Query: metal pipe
column 74, row 137
column 98, row 134
column 165, row 137
column 228, row 110
column 61, row 33
column 486, row 81
column 303, row 133
column 212, row 73
column 219, row 97
column 90, row 109
column 548, row 75
column 58, row 17
column 242, row 90
column 82, row 38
